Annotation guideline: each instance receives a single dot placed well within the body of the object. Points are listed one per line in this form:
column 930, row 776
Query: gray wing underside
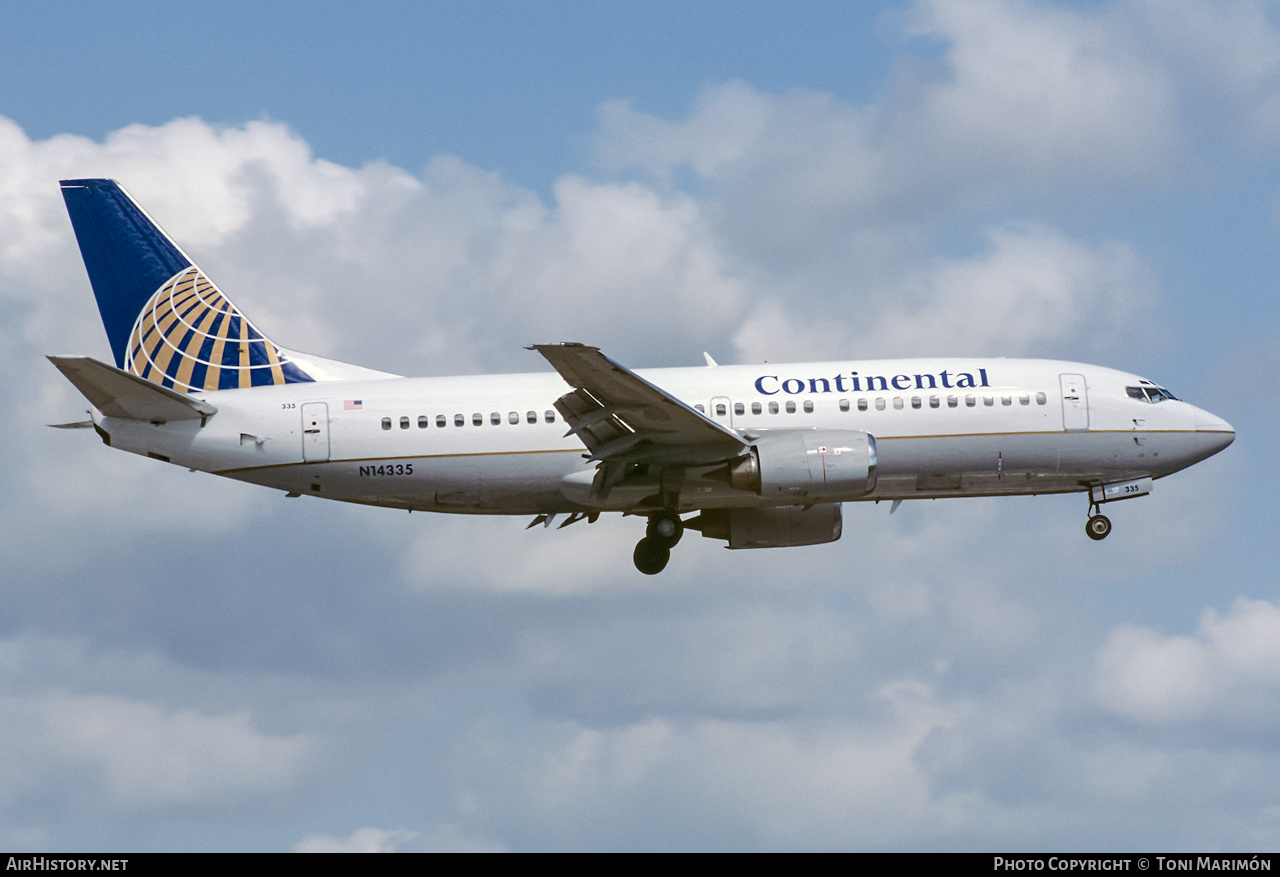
column 622, row 418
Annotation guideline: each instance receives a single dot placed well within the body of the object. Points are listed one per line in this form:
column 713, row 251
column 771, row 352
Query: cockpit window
column 1150, row 393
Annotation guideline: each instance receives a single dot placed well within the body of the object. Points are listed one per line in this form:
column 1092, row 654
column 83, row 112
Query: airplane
column 757, row 456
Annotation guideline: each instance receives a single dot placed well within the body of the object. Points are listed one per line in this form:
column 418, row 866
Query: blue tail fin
column 165, row 319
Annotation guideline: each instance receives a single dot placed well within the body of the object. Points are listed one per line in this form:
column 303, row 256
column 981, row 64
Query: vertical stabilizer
column 166, row 320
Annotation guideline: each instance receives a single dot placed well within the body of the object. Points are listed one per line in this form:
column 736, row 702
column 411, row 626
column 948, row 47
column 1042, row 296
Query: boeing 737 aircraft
column 759, row 456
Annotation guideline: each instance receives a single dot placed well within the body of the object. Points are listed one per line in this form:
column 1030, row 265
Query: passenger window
column 701, row 408
column 915, row 401
column 791, row 407
column 549, row 416
column 952, row 401
column 1024, row 399
column 862, row 404
column 756, row 408
column 531, row 417
column 773, row 407
column 423, row 421
column 879, row 403
column 1041, row 398
column 933, row 402
column 970, row 401
column 513, row 417
column 844, row 404
column 404, row 423
column 441, row 420
column 459, row 420
column 386, row 423
column 477, row 419
column 988, row 400
column 897, row 403
column 495, row 418
column 1006, row 400
column 739, row 408
column 721, row 410
column 808, row 406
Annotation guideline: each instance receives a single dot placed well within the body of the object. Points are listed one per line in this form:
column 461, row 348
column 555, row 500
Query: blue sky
column 187, row 663
column 513, row 86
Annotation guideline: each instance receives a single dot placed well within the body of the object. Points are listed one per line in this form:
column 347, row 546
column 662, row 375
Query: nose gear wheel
column 1098, row 527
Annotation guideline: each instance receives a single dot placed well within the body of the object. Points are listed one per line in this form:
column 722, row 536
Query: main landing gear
column 654, row 550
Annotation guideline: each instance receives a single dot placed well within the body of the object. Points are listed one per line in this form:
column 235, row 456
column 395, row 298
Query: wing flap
column 622, row 418
column 117, row 393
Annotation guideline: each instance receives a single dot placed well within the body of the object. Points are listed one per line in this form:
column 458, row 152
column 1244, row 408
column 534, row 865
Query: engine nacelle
column 802, row 465
column 778, row 527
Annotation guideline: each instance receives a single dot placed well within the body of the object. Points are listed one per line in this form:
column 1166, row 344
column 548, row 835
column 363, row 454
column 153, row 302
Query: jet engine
column 804, row 465
column 778, row 527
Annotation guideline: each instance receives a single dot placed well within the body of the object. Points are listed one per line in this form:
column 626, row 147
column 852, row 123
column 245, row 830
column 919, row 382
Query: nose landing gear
column 654, row 550
column 1098, row 527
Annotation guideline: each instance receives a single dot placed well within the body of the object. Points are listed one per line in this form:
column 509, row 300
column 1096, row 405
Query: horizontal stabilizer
column 117, row 393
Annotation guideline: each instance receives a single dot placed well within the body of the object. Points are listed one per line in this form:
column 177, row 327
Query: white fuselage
column 493, row 444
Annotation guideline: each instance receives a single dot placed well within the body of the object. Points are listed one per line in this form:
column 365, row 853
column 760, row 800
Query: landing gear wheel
column 1098, row 527
column 665, row 527
column 651, row 556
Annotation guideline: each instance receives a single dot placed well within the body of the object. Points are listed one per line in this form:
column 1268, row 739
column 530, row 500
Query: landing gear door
column 315, row 432
column 1075, row 403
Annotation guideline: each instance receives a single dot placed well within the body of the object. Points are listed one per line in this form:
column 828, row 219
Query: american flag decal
column 352, row 405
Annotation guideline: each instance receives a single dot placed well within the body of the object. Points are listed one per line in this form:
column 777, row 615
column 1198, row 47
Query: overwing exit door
column 721, row 410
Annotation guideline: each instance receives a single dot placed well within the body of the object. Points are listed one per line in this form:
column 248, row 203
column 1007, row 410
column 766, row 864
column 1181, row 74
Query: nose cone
column 1212, row 433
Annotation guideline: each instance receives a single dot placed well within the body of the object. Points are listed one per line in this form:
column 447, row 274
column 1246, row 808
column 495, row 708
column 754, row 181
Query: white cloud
column 536, row 562
column 725, row 123
column 1042, row 90
column 1032, row 292
column 134, row 754
column 1225, row 57
column 362, row 840
column 1228, row 671
column 1026, row 94
column 762, row 784
column 445, row 837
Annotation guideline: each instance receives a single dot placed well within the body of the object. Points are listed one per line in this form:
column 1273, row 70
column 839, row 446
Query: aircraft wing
column 622, row 418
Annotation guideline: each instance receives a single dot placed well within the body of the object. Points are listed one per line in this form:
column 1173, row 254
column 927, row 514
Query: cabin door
column 315, row 432
column 1075, row 403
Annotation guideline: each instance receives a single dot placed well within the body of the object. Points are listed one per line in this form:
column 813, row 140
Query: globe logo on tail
column 190, row 337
